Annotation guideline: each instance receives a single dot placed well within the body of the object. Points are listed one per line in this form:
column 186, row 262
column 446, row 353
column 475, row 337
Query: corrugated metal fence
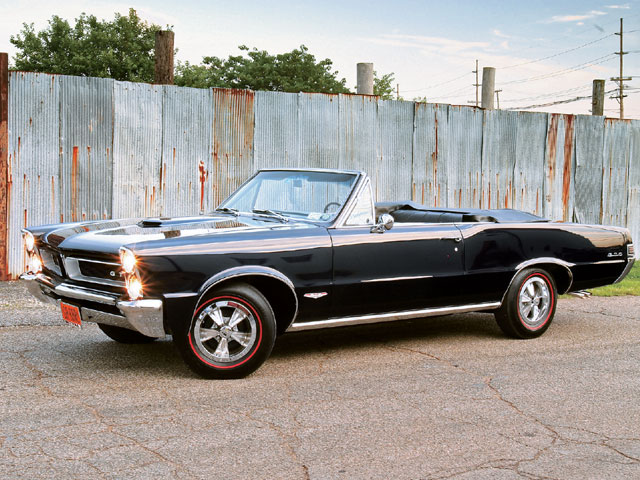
column 87, row 148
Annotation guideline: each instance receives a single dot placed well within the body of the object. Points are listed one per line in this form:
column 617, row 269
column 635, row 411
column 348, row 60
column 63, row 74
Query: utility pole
column 621, row 79
column 477, row 84
column 498, row 99
column 163, row 74
column 488, row 87
column 365, row 78
column 597, row 98
column 397, row 91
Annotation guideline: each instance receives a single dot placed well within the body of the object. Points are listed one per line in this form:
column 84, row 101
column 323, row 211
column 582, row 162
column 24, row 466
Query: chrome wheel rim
column 225, row 331
column 534, row 302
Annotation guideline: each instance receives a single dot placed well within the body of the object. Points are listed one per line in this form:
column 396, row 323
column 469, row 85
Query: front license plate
column 71, row 313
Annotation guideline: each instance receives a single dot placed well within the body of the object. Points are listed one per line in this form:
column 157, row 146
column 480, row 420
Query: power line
column 558, row 73
column 437, row 84
column 552, row 94
column 557, row 54
column 568, row 100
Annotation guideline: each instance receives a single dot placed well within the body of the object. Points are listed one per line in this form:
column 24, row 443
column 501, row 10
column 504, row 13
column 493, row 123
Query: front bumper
column 144, row 316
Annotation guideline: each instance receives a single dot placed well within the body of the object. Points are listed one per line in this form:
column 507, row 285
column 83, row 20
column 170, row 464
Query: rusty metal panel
column 4, row 164
column 559, row 187
column 498, row 158
column 187, row 119
column 460, row 155
column 359, row 132
column 588, row 168
column 424, row 187
column 276, row 137
column 318, row 130
column 391, row 171
column 86, row 141
column 137, row 149
column 633, row 202
column 528, row 174
column 233, row 142
column 33, row 161
column 615, row 180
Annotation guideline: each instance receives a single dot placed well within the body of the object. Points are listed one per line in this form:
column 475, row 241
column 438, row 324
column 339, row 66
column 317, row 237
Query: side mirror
column 385, row 222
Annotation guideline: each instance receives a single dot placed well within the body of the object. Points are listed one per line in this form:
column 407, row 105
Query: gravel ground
column 445, row 397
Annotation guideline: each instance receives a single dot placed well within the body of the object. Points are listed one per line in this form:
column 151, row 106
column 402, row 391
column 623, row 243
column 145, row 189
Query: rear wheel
column 529, row 305
column 124, row 335
column 230, row 335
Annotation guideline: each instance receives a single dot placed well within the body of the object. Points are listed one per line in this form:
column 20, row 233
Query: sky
column 543, row 51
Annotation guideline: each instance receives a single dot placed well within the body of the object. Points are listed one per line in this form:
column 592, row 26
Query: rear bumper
column 627, row 269
column 144, row 316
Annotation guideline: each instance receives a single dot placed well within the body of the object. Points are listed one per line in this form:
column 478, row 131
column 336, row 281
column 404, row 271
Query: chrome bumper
column 627, row 269
column 144, row 316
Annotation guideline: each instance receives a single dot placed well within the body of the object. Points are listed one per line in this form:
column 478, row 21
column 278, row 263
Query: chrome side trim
column 244, row 271
column 349, row 205
column 390, row 317
column 81, row 293
column 393, row 279
column 537, row 261
column 626, row 270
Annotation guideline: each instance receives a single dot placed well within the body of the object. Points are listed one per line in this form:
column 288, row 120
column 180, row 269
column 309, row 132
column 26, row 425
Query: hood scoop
column 156, row 222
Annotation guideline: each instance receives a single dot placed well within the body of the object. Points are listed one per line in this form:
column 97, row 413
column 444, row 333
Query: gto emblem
column 616, row 254
column 316, row 295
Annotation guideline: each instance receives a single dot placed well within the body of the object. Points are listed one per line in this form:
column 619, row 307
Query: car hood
column 107, row 236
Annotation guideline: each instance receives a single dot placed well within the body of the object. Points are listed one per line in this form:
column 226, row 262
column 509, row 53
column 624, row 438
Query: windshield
column 310, row 195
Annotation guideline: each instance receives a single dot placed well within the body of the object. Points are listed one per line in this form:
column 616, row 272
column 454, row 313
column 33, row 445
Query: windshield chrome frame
column 341, row 217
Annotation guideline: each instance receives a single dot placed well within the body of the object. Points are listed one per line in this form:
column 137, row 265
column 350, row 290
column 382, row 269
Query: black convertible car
column 300, row 249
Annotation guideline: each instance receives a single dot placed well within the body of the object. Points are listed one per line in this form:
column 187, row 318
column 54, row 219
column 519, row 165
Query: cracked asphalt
column 445, row 397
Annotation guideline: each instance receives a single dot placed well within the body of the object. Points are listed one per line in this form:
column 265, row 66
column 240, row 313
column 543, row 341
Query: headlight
column 35, row 264
column 134, row 288
column 128, row 260
column 29, row 241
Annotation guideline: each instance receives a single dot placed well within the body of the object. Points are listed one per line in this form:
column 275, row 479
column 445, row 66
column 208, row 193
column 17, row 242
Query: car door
column 408, row 267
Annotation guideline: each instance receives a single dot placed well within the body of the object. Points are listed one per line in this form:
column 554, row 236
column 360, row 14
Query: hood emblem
column 315, row 295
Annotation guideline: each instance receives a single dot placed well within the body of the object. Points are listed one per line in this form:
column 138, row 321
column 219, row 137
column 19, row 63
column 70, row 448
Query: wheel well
column 279, row 295
column 561, row 275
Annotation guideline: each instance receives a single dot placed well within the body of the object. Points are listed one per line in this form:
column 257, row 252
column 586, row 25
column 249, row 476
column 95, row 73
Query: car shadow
column 161, row 358
column 448, row 327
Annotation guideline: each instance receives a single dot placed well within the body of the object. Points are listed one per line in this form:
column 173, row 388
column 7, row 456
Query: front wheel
column 230, row 335
column 529, row 304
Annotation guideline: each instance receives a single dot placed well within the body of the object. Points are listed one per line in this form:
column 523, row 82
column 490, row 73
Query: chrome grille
column 94, row 271
column 51, row 260
column 631, row 251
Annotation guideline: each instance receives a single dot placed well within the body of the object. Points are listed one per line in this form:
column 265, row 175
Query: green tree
column 383, row 86
column 122, row 49
column 294, row 71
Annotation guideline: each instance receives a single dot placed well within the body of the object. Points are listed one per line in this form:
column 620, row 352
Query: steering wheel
column 326, row 207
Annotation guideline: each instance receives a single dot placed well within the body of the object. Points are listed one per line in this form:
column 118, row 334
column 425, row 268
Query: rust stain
column 566, row 171
column 434, row 155
column 552, row 140
column 203, row 178
column 74, row 184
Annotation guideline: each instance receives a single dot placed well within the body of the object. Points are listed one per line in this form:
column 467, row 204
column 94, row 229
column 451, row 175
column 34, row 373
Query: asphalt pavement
column 446, row 397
